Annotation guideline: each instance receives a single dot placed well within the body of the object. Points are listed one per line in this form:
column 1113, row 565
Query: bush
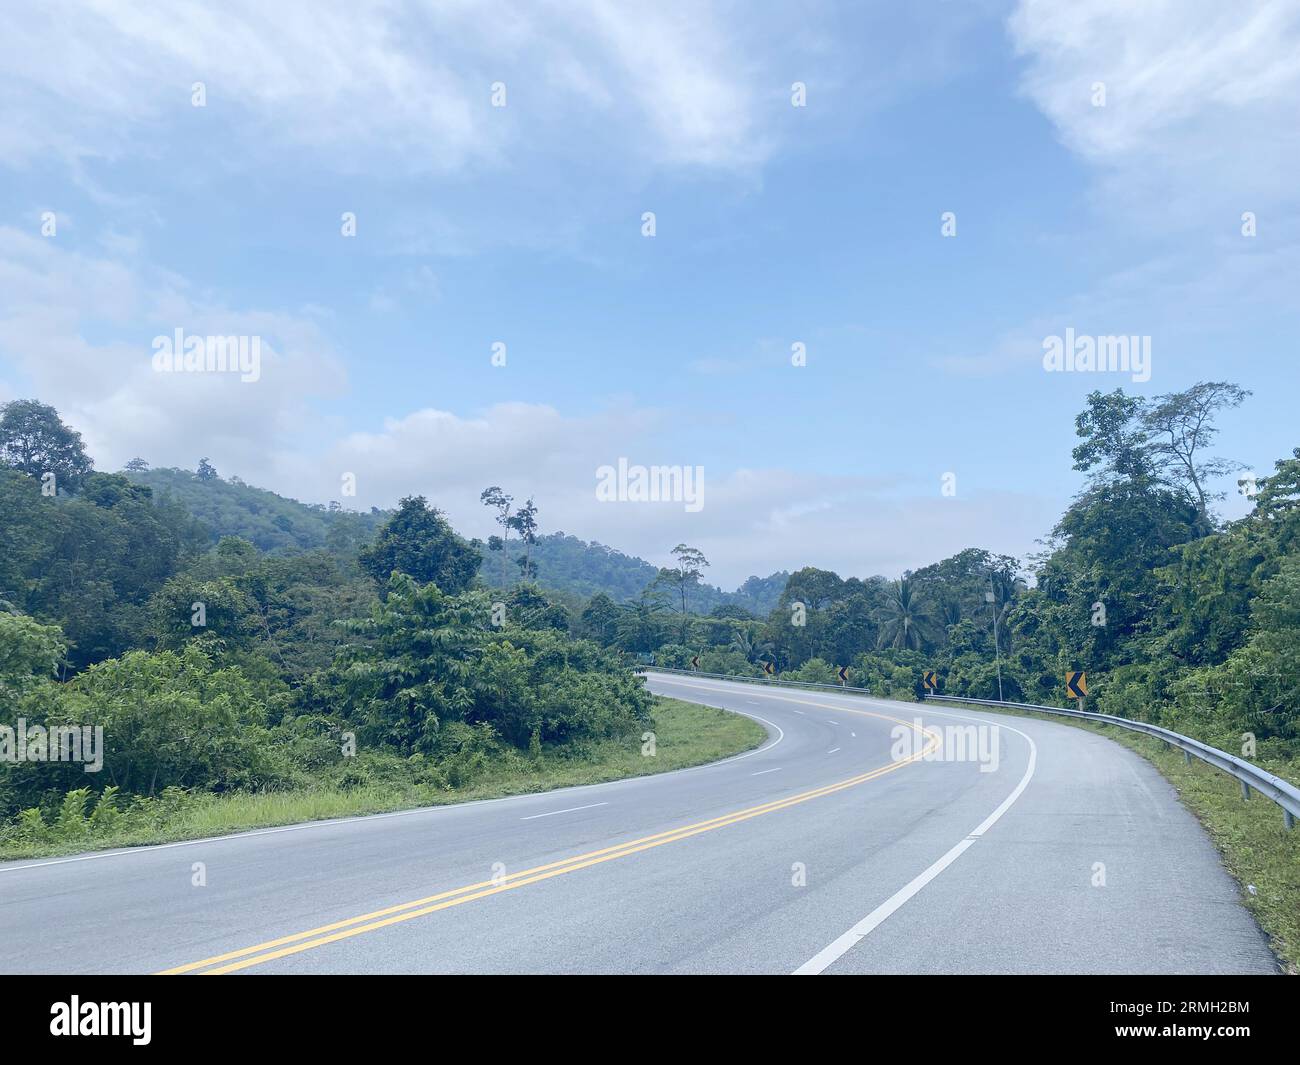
column 30, row 653
column 816, row 671
column 435, row 662
column 169, row 720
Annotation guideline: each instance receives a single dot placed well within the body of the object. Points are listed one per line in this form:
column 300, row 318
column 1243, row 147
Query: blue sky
column 775, row 224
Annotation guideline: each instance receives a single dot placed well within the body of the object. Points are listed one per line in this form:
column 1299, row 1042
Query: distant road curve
column 865, row 836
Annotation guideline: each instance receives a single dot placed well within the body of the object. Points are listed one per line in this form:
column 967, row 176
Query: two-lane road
column 864, row 836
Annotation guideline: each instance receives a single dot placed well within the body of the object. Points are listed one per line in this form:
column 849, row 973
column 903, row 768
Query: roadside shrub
column 817, row 671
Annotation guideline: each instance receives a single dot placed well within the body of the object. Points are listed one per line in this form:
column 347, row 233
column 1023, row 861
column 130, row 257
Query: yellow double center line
column 285, row 946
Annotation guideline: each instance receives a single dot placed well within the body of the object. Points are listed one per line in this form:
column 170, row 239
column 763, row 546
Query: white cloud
column 1198, row 127
column 753, row 520
column 1201, row 98
column 55, row 303
column 54, row 300
column 364, row 80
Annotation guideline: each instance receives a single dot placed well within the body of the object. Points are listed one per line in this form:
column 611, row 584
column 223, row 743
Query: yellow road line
column 331, row 933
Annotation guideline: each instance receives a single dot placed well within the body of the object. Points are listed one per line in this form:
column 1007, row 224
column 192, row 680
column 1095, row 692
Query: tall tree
column 905, row 619
column 1180, row 426
column 500, row 502
column 34, row 440
column 599, row 619
column 1114, row 446
column 524, row 522
column 1279, row 494
column 690, row 567
column 1160, row 441
column 418, row 541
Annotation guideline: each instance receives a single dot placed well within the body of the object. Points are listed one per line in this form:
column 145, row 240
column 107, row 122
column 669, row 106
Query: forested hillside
column 268, row 521
column 572, row 568
column 248, row 662
column 581, row 569
column 223, row 667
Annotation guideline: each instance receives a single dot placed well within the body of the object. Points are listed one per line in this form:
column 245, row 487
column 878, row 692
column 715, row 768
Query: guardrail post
column 1287, row 819
column 1187, row 756
column 1245, row 790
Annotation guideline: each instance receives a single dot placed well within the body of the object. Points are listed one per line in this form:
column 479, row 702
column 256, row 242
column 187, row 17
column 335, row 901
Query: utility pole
column 992, row 600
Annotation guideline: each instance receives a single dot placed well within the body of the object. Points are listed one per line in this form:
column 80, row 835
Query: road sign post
column 1076, row 685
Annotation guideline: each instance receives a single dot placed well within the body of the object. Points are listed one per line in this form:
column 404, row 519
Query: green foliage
column 581, row 569
column 88, row 562
column 418, row 541
column 30, row 653
column 34, row 441
column 436, row 665
column 309, row 634
column 1256, row 690
column 1158, row 443
column 907, row 622
column 271, row 523
column 71, row 822
column 172, row 719
column 686, row 574
column 599, row 620
column 529, row 608
column 186, row 607
column 816, row 671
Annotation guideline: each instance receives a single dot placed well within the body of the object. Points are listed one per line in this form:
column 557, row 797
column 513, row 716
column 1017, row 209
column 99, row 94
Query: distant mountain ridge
column 582, row 567
column 574, row 567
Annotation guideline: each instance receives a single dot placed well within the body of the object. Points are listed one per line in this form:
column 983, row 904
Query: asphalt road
column 865, row 836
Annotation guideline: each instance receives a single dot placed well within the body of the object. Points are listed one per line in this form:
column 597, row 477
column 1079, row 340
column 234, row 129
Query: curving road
column 865, row 836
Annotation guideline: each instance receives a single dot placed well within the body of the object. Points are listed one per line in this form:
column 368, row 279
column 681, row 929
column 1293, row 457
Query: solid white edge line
column 570, row 810
column 835, row 950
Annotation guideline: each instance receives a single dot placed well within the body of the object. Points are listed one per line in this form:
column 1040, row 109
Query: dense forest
column 271, row 523
column 1177, row 617
column 346, row 655
column 227, row 639
column 569, row 569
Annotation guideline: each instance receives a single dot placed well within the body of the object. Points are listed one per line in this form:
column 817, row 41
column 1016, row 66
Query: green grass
column 685, row 735
column 1253, row 842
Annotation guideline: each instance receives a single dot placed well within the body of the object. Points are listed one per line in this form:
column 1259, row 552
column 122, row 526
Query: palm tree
column 949, row 611
column 749, row 646
column 905, row 621
column 640, row 628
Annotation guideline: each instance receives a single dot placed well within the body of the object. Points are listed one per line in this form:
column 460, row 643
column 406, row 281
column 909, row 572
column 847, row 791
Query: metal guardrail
column 1282, row 792
column 764, row 681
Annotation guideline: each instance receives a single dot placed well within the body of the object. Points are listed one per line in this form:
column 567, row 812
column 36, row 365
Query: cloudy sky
column 1098, row 157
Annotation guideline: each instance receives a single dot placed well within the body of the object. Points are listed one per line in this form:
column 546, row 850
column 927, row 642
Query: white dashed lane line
column 570, row 810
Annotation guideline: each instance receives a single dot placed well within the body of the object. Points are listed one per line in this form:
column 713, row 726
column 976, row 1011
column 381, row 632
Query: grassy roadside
column 1255, row 847
column 686, row 734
